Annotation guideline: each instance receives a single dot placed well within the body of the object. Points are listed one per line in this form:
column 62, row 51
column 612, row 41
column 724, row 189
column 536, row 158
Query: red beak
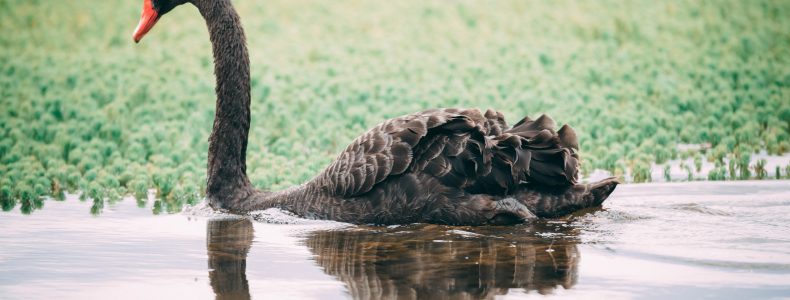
column 147, row 21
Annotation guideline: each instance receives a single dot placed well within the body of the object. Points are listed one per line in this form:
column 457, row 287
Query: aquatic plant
column 97, row 206
column 667, row 172
column 698, row 162
column 759, row 169
column 139, row 188
column 641, row 172
column 731, row 169
column 689, row 170
column 718, row 172
column 6, row 198
column 743, row 166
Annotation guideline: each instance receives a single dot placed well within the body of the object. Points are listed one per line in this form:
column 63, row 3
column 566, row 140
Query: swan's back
column 461, row 148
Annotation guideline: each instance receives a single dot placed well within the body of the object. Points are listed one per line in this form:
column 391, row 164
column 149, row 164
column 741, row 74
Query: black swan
column 448, row 166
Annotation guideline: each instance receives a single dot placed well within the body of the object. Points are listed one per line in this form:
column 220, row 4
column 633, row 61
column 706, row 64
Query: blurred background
column 654, row 88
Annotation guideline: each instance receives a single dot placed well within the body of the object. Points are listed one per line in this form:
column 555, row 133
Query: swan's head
column 152, row 11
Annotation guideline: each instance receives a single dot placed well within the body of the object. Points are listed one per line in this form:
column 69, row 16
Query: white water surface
column 719, row 240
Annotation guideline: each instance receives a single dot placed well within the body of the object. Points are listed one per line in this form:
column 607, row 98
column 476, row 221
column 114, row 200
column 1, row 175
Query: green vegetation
column 84, row 108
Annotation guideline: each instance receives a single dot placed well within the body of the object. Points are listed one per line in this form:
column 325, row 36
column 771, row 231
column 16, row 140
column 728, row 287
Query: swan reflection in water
column 429, row 261
column 228, row 241
column 415, row 261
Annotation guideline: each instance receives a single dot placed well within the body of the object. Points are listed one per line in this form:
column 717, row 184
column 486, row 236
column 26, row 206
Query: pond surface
column 679, row 240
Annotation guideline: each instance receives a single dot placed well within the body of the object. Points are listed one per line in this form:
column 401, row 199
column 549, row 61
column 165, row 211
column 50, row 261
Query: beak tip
column 147, row 20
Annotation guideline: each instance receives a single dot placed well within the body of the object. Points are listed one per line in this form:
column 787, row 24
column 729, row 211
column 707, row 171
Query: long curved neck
column 227, row 167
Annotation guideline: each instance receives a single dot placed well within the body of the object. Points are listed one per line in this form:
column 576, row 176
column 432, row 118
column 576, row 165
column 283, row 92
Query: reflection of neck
column 227, row 178
column 228, row 242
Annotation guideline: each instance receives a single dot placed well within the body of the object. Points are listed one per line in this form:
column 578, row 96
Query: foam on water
column 267, row 216
column 463, row 233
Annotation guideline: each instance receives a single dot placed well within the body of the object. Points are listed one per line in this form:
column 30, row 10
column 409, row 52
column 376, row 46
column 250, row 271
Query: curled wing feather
column 463, row 149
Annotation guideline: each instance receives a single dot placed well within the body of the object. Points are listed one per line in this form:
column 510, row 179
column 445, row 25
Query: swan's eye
column 147, row 20
column 163, row 6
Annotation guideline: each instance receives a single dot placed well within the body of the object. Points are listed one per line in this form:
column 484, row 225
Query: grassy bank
column 84, row 108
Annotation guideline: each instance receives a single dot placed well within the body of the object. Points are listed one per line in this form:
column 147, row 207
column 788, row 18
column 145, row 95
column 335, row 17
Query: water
column 681, row 240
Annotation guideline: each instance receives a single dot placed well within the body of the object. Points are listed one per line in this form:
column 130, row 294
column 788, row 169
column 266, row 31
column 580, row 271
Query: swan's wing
column 461, row 148
column 386, row 150
column 530, row 153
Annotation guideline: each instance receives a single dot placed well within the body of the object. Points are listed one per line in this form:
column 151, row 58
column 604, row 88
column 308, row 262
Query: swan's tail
column 549, row 202
column 551, row 158
column 531, row 152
